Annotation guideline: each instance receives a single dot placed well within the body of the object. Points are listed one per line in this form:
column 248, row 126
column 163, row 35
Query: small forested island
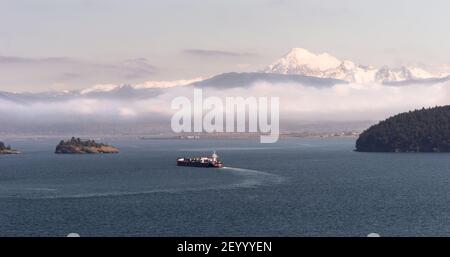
column 78, row 146
column 7, row 149
column 425, row 130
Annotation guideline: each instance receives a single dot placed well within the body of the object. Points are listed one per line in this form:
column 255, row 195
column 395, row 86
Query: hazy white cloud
column 217, row 53
column 32, row 74
column 342, row 102
column 126, row 112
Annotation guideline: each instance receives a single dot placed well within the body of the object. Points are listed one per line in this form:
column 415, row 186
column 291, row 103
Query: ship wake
column 247, row 178
column 252, row 178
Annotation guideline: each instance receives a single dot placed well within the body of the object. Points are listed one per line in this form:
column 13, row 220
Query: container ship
column 203, row 162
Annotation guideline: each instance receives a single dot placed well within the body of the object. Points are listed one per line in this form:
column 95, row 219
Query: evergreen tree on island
column 425, row 130
column 76, row 145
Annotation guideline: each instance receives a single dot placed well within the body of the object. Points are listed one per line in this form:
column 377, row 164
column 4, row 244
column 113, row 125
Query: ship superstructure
column 204, row 162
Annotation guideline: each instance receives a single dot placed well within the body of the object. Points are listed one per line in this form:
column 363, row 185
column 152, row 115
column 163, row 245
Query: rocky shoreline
column 78, row 146
column 7, row 149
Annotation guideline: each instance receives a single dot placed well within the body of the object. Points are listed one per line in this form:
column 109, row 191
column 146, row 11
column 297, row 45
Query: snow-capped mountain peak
column 102, row 88
column 167, row 84
column 301, row 56
column 303, row 62
column 300, row 59
column 348, row 65
column 99, row 88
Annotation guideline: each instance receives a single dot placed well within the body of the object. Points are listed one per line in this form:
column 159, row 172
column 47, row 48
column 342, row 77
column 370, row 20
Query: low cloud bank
column 338, row 103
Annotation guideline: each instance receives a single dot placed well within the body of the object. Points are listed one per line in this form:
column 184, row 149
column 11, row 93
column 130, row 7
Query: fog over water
column 120, row 109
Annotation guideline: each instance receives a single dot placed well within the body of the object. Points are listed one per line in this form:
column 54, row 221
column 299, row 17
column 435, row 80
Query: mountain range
column 303, row 62
column 297, row 76
column 297, row 66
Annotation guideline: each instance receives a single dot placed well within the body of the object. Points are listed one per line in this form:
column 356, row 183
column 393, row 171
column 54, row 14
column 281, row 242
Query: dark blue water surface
column 296, row 187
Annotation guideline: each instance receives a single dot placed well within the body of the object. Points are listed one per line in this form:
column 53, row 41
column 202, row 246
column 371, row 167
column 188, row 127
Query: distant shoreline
column 188, row 136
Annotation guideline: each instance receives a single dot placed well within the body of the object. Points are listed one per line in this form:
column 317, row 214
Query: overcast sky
column 67, row 44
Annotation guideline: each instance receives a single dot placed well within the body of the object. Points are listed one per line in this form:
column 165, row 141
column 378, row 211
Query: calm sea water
column 297, row 187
